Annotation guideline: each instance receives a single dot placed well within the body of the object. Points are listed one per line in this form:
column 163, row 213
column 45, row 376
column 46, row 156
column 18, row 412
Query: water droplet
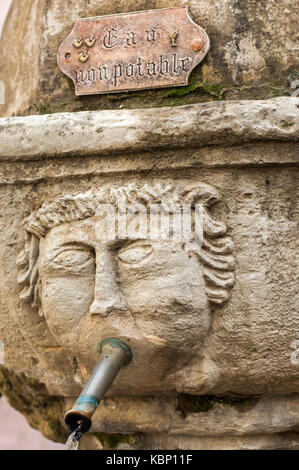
column 74, row 439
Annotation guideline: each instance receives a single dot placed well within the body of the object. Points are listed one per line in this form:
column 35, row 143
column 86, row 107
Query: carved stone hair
column 215, row 252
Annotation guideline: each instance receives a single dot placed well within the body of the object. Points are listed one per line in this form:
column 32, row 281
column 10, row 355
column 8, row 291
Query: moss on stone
column 238, row 65
column 112, row 441
column 30, row 397
column 198, row 91
column 213, row 89
column 199, row 404
column 205, row 85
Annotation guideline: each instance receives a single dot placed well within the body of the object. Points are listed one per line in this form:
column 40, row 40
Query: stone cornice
column 101, row 133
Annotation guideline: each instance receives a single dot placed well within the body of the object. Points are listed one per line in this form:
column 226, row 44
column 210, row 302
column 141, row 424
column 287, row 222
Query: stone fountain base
column 214, row 336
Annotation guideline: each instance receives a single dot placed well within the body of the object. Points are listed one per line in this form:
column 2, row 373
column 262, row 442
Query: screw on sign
column 132, row 51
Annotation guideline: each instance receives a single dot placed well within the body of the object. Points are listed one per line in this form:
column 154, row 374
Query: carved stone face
column 153, row 294
column 149, row 293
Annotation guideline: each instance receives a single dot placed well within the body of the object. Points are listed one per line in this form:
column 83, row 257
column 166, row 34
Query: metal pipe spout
column 114, row 355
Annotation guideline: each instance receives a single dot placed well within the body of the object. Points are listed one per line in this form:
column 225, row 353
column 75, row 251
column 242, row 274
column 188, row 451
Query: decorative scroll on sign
column 131, row 51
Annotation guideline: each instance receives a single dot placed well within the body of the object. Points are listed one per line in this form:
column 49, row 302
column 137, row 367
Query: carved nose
column 107, row 294
column 104, row 308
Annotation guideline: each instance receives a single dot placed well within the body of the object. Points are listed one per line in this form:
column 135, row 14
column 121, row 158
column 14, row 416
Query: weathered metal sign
column 131, row 51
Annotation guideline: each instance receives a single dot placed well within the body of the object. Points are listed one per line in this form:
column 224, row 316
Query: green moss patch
column 199, row 404
column 112, row 441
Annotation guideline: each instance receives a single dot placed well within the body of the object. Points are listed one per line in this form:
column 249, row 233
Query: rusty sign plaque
column 132, row 51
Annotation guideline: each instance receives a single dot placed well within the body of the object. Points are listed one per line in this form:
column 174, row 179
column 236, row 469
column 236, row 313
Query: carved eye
column 135, row 254
column 73, row 258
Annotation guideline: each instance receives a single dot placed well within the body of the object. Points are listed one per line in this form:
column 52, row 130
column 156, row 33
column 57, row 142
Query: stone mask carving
column 79, row 287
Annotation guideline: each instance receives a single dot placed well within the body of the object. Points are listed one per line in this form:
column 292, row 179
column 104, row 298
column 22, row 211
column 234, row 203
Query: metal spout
column 114, row 355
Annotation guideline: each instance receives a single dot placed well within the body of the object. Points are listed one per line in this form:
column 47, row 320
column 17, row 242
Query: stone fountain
column 212, row 323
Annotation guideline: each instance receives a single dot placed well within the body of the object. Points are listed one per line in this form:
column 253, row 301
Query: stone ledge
column 107, row 132
column 279, row 441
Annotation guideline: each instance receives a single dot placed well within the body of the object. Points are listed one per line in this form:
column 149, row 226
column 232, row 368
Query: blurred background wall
column 16, row 434
column 4, row 6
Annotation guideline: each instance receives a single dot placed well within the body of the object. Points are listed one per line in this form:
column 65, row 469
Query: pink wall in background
column 15, row 433
column 4, row 6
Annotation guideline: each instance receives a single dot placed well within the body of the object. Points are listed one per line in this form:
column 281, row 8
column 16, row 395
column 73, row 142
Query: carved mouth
column 110, row 311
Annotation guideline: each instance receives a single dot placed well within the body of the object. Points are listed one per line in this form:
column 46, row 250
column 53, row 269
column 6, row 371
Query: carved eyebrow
column 75, row 245
column 126, row 242
column 143, row 251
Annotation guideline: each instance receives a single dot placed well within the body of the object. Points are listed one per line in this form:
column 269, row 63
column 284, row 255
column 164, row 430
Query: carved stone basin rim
column 106, row 132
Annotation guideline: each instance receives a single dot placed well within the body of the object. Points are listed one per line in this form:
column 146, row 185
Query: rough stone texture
column 253, row 53
column 106, row 132
column 213, row 327
column 215, row 358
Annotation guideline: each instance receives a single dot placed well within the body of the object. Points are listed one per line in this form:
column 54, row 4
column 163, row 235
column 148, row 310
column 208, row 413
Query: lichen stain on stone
column 200, row 404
